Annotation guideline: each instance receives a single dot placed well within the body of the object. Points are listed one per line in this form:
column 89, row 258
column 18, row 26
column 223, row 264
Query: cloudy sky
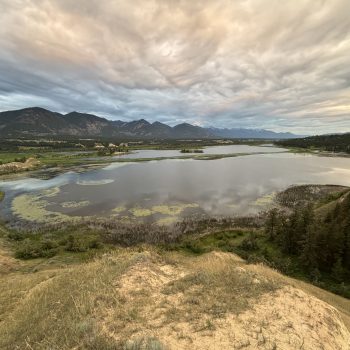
column 279, row 65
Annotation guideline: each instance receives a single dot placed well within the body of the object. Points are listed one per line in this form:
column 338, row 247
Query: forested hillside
column 318, row 239
column 330, row 143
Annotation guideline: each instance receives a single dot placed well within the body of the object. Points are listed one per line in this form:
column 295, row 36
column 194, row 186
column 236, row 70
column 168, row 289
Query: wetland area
column 162, row 186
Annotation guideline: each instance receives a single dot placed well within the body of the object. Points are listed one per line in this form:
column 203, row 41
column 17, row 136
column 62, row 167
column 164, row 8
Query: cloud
column 243, row 63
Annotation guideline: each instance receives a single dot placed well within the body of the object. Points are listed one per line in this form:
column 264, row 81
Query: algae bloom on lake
column 165, row 191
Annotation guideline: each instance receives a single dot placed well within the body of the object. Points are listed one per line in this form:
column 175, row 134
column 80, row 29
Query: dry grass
column 57, row 309
column 133, row 299
column 217, row 284
column 338, row 302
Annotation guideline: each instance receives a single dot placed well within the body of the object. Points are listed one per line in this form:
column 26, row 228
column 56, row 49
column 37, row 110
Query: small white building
column 99, row 146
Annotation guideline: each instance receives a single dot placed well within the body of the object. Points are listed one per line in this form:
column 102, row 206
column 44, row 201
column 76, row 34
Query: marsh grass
column 296, row 196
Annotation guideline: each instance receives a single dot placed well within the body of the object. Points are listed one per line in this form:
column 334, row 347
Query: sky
column 272, row 64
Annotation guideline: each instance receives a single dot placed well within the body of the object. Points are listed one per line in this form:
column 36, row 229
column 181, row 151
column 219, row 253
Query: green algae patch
column 172, row 210
column 233, row 206
column 73, row 204
column 33, row 208
column 169, row 210
column 118, row 210
column 126, row 219
column 141, row 212
column 51, row 192
column 265, row 200
column 171, row 213
column 2, row 196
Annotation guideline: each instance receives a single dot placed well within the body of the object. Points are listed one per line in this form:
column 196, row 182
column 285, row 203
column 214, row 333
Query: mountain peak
column 184, row 124
column 34, row 110
column 37, row 121
column 143, row 121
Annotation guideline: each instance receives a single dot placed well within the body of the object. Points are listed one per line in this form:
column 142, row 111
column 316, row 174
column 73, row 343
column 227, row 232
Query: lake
column 165, row 190
column 214, row 150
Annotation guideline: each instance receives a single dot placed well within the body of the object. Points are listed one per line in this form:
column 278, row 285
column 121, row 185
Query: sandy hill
column 145, row 299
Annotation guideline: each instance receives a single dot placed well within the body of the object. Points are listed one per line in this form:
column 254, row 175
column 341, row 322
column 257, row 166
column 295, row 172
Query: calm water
column 165, row 190
column 237, row 149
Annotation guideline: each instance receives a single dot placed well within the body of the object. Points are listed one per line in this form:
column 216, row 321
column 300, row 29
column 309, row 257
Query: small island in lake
column 191, row 151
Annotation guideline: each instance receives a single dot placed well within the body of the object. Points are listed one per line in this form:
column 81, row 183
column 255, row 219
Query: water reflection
column 231, row 149
column 168, row 188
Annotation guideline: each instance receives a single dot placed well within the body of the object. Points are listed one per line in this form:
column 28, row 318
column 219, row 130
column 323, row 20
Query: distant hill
column 330, row 143
column 36, row 121
column 251, row 133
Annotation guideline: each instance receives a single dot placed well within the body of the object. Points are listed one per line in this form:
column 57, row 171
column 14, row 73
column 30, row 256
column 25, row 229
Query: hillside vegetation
column 317, row 236
column 330, row 143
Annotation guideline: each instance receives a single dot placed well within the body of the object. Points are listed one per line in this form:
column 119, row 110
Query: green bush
column 249, row 243
column 73, row 244
column 33, row 249
column 94, row 244
column 15, row 236
column 193, row 247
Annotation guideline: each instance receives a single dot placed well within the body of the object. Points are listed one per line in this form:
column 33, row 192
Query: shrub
column 193, row 247
column 94, row 244
column 249, row 243
column 73, row 244
column 15, row 236
column 33, row 249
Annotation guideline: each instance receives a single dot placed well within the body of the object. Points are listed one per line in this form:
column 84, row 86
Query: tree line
column 330, row 143
column 321, row 242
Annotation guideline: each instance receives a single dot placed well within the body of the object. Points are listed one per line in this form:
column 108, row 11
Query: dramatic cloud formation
column 280, row 65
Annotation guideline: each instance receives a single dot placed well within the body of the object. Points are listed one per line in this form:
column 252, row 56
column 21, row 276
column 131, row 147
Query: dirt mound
column 136, row 299
column 193, row 303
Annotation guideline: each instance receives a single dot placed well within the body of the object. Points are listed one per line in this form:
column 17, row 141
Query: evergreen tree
column 346, row 245
column 338, row 271
column 309, row 249
column 271, row 223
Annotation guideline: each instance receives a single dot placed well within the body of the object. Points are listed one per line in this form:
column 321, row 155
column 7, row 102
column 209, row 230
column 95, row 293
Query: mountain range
column 38, row 122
